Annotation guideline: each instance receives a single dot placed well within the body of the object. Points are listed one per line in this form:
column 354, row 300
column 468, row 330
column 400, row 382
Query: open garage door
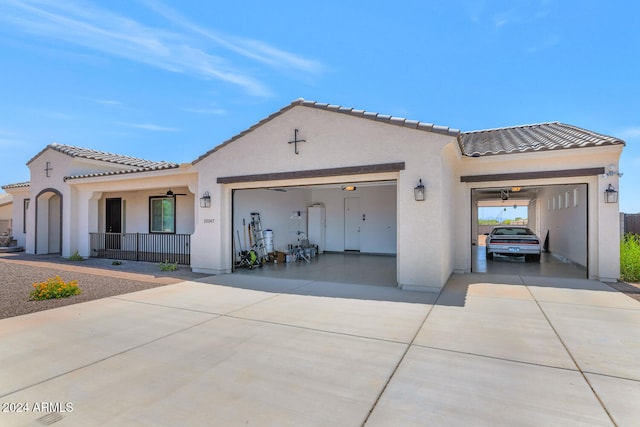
column 557, row 214
column 348, row 231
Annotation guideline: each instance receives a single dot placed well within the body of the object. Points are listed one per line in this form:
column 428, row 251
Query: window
column 575, row 197
column 566, row 200
column 162, row 215
column 25, row 208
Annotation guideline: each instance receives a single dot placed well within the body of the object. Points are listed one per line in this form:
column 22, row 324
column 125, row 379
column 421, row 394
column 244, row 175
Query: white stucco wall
column 276, row 209
column 19, row 194
column 6, row 217
column 564, row 217
column 83, row 199
column 332, row 140
column 378, row 231
column 603, row 242
column 59, row 164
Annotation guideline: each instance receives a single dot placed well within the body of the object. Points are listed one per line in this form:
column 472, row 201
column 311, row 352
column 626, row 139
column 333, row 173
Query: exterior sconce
column 418, row 191
column 611, row 171
column 205, row 200
column 610, row 195
column 348, row 188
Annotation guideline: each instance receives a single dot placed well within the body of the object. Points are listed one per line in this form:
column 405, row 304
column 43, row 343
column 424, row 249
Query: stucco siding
column 564, row 218
column 333, row 140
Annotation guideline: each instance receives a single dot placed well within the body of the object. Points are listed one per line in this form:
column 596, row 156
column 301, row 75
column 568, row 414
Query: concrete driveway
column 237, row 350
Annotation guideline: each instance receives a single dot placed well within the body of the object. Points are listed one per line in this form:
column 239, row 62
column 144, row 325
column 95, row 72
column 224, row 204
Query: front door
column 113, row 223
column 352, row 223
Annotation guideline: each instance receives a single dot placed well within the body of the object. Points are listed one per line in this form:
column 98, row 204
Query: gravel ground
column 97, row 278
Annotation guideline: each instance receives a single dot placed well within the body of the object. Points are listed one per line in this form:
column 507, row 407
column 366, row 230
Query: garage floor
column 378, row 270
column 549, row 265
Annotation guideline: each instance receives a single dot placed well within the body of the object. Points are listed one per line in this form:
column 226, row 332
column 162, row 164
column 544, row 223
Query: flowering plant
column 54, row 287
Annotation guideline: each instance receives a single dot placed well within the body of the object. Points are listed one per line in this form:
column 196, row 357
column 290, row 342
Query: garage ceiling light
column 348, row 188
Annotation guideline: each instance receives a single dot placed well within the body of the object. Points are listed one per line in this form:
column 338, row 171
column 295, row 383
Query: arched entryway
column 48, row 222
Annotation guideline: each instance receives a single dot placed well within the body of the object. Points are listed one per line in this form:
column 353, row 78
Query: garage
column 401, row 191
column 557, row 214
column 342, row 231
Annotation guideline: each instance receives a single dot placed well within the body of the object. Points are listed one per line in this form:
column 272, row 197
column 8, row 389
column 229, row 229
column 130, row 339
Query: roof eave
column 397, row 121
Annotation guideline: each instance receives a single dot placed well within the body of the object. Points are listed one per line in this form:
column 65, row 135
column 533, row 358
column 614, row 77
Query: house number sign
column 209, row 220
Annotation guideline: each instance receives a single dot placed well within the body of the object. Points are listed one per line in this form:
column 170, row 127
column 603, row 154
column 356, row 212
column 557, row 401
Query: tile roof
column 6, row 199
column 135, row 164
column 17, row 185
column 530, row 138
column 397, row 121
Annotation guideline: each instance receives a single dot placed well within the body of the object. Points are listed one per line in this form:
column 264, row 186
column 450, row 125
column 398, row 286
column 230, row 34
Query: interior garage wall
column 278, row 212
column 563, row 214
column 378, row 232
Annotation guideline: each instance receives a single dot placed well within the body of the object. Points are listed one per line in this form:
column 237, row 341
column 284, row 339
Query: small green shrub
column 630, row 258
column 54, row 287
column 76, row 257
column 168, row 266
column 116, row 262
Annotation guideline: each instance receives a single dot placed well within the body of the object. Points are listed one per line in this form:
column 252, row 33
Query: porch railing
column 142, row 247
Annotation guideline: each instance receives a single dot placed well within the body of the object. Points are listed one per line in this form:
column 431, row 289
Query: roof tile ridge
column 510, row 127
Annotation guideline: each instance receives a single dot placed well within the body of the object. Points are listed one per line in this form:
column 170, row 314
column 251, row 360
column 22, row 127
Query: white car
column 513, row 241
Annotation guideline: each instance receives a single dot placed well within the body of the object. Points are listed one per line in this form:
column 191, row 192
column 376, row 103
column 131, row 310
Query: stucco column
column 608, row 259
column 86, row 210
column 419, row 233
column 209, row 242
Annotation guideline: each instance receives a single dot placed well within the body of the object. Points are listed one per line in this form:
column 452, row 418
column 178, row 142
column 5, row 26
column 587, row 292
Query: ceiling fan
column 170, row 193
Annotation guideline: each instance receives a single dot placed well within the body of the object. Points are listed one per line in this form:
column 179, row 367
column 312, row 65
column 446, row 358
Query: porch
column 150, row 247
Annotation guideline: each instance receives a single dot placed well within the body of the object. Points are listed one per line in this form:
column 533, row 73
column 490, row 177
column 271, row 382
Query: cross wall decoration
column 48, row 169
column 296, row 140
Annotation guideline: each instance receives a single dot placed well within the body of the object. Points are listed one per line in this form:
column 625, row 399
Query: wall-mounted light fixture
column 205, row 200
column 611, row 171
column 610, row 195
column 348, row 188
column 418, row 191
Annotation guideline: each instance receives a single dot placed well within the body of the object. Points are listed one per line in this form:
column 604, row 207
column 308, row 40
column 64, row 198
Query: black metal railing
column 142, row 247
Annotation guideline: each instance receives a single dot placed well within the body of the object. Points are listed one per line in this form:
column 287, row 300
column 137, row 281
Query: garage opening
column 337, row 232
column 557, row 214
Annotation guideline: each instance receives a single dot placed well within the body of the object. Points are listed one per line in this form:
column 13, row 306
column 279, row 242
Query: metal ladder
column 258, row 237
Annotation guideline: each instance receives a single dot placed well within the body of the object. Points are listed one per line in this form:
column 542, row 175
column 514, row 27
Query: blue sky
column 169, row 80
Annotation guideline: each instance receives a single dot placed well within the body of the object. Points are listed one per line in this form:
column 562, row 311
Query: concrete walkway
column 237, row 350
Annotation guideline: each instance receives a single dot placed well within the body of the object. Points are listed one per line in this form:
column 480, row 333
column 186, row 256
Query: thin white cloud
column 629, row 133
column 57, row 115
column 503, row 19
column 254, row 49
column 547, row 42
column 110, row 102
column 149, row 126
column 101, row 30
column 212, row 111
column 8, row 142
